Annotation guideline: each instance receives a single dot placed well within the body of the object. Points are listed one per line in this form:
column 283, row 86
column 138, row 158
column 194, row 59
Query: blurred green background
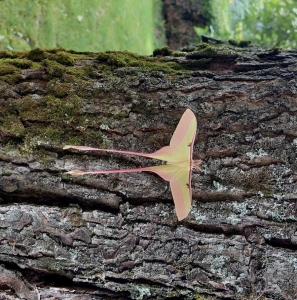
column 138, row 25
column 264, row 22
column 92, row 25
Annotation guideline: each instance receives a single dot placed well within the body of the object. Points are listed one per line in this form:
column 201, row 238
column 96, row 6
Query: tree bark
column 117, row 236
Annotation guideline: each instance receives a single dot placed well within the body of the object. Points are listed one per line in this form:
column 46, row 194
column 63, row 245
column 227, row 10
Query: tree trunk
column 180, row 18
column 117, row 236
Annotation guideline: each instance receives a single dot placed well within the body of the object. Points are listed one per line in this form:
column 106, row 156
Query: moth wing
column 182, row 141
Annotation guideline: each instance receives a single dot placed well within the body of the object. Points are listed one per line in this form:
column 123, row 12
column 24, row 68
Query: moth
column 179, row 163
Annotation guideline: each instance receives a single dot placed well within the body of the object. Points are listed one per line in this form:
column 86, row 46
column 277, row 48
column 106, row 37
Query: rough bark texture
column 117, row 236
column 180, row 18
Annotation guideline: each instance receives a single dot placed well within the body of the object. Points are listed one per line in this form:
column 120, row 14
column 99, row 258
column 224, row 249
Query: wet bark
column 117, row 236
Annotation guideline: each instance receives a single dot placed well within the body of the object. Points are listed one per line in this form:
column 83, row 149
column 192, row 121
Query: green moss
column 112, row 59
column 120, row 59
column 233, row 42
column 244, row 44
column 59, row 89
column 43, row 133
column 25, row 105
column 179, row 54
column 79, row 72
column 50, row 119
column 241, row 44
column 88, row 71
column 56, row 50
column 58, row 117
column 12, row 126
column 59, row 134
column 36, row 55
column 165, row 51
column 7, row 54
column 9, row 74
column 275, row 50
column 12, row 78
column 53, row 68
column 48, row 108
column 61, row 109
column 9, row 69
column 189, row 48
column 205, row 46
column 6, row 69
column 203, row 51
column 20, row 63
column 64, row 59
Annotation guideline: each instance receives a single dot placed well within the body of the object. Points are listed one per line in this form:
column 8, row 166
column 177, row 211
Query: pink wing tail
column 155, row 169
column 86, row 148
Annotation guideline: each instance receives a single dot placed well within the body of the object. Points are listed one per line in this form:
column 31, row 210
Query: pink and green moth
column 178, row 167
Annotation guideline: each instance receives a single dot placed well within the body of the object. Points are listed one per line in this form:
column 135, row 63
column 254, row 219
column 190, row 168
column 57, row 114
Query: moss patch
column 11, row 125
column 204, row 51
column 165, row 51
column 64, row 59
column 53, row 68
column 20, row 63
column 123, row 59
column 6, row 69
column 241, row 44
column 8, row 54
column 36, row 55
column 67, row 104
